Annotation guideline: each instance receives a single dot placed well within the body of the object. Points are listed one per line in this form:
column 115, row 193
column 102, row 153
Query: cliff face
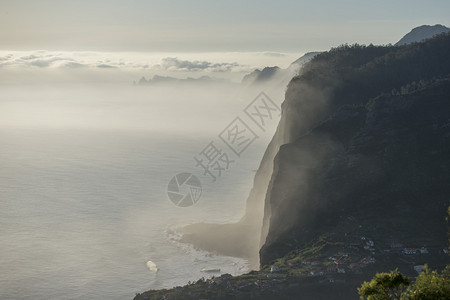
column 246, row 237
column 330, row 158
column 386, row 166
column 364, row 134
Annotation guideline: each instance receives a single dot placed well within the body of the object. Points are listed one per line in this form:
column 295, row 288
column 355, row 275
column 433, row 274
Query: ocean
column 84, row 208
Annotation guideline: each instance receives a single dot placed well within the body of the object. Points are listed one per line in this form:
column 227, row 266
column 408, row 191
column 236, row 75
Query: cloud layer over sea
column 28, row 66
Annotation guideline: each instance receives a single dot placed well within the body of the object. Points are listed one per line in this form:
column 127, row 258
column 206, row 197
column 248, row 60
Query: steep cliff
column 364, row 135
column 385, row 166
column 289, row 198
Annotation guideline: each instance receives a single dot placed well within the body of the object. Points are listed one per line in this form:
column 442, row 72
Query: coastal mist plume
column 304, row 102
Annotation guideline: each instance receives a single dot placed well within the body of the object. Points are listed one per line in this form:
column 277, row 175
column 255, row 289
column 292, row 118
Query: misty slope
column 377, row 147
column 303, row 60
column 243, row 239
column 421, row 33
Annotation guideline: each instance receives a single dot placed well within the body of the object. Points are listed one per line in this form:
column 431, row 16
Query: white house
column 423, row 250
column 410, row 251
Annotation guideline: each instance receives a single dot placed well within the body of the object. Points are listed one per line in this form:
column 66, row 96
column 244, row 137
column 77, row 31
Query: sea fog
column 84, row 172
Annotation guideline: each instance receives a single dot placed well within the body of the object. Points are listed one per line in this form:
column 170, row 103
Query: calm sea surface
column 83, row 210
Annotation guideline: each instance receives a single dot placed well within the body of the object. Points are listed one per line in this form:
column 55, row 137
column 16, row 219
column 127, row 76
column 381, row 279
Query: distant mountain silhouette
column 167, row 79
column 258, row 76
column 276, row 75
column 421, row 33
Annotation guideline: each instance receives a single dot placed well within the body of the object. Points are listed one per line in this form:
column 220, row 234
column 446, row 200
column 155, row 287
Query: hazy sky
column 205, row 25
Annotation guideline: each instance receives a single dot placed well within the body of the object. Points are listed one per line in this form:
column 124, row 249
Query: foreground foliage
column 429, row 285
